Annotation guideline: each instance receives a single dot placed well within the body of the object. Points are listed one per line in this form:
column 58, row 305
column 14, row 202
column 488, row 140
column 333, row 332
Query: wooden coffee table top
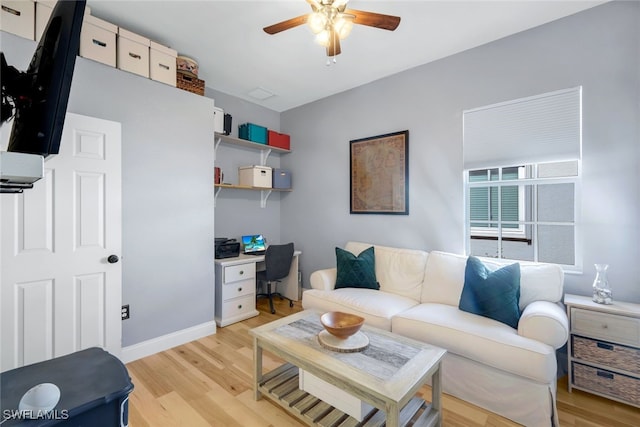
column 391, row 368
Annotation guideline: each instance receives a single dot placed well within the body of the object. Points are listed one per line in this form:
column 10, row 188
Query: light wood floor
column 208, row 382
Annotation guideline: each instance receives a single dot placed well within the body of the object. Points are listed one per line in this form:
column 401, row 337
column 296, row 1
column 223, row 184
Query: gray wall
column 238, row 212
column 598, row 49
column 167, row 194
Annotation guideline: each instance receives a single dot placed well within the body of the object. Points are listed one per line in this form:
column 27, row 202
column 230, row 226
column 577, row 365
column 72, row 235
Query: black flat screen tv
column 41, row 94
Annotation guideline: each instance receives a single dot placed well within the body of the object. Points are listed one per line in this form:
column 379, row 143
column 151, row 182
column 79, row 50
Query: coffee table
column 386, row 375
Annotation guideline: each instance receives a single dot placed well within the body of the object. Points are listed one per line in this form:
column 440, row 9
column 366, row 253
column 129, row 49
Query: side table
column 604, row 348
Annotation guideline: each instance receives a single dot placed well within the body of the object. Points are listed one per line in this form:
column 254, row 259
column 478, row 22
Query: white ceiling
column 235, row 56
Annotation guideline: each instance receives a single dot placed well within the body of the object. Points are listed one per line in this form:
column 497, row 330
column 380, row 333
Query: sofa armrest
column 546, row 322
column 324, row 280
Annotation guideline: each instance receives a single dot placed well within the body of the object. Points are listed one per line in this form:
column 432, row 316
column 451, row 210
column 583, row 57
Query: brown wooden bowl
column 341, row 325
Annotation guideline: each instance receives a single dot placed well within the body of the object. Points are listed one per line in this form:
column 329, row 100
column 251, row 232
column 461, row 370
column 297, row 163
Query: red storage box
column 280, row 140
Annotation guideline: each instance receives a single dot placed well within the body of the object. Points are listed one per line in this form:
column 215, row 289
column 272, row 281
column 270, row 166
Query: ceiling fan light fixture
column 343, row 25
column 323, row 38
column 317, row 21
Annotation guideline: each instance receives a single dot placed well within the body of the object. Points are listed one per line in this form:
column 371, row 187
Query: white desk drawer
column 233, row 273
column 609, row 327
column 238, row 306
column 239, row 288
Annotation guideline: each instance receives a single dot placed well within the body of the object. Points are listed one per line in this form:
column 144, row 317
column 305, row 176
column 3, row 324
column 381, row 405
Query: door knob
column 113, row 259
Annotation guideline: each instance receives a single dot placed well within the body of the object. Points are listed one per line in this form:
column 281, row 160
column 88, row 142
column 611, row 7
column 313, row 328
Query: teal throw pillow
column 356, row 271
column 493, row 294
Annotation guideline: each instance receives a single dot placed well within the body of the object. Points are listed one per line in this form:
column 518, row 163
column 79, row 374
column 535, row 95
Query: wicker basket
column 604, row 353
column 189, row 83
column 607, row 383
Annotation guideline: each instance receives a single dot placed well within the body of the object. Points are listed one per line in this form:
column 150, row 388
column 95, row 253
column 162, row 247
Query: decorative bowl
column 341, row 325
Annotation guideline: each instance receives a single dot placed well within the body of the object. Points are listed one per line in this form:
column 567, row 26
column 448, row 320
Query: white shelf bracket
column 215, row 197
column 218, row 140
column 264, row 154
column 264, row 195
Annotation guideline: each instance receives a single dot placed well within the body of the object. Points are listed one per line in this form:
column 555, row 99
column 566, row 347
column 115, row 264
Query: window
column 522, row 176
column 525, row 212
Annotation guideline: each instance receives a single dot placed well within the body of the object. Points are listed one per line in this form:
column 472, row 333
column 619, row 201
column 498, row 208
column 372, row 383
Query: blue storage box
column 281, row 178
column 94, row 390
column 253, row 133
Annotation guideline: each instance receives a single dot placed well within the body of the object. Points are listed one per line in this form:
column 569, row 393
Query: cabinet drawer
column 238, row 289
column 609, row 327
column 607, row 383
column 238, row 306
column 233, row 273
column 604, row 353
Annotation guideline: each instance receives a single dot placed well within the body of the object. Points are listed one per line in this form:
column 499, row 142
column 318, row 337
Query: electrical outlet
column 125, row 312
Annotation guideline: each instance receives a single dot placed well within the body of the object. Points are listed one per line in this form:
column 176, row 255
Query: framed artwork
column 380, row 174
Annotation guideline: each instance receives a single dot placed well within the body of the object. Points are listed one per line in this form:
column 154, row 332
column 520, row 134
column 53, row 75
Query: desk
column 235, row 293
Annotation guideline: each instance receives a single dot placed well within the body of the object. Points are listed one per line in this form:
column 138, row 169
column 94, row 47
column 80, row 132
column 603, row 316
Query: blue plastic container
column 253, row 133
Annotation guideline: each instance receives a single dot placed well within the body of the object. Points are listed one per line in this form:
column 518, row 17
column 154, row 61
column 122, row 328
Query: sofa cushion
column 492, row 294
column 478, row 338
column 444, row 279
column 377, row 307
column 356, row 271
column 399, row 271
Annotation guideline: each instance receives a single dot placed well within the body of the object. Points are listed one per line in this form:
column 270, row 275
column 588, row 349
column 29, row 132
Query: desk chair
column 277, row 260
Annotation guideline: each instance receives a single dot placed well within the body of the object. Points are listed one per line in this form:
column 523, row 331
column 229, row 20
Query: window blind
column 536, row 129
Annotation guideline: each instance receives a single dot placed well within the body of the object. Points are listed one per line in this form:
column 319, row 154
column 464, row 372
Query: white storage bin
column 98, row 40
column 255, row 176
column 218, row 119
column 162, row 63
column 133, row 52
column 18, row 17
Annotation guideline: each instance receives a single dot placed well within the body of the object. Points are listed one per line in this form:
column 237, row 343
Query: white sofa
column 507, row 371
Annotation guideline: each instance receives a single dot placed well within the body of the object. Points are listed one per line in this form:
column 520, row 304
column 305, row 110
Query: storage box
column 18, row 17
column 281, row 178
column 94, row 389
column 280, row 140
column 334, row 396
column 189, row 83
column 162, row 63
column 98, row 40
column 255, row 176
column 253, row 133
column 218, row 119
column 43, row 12
column 133, row 53
column 606, row 382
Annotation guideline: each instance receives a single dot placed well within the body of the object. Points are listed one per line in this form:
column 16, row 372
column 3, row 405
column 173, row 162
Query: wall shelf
column 264, row 150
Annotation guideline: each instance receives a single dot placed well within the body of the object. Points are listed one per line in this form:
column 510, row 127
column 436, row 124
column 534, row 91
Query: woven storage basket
column 604, row 353
column 189, row 83
column 606, row 382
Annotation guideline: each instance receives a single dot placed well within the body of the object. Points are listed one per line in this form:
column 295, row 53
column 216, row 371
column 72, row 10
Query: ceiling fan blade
column 285, row 25
column 334, row 45
column 377, row 20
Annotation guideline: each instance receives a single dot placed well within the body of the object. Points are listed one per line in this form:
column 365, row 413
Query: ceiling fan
column 331, row 21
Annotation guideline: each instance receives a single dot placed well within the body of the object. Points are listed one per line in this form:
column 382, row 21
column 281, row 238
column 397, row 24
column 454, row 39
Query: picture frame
column 379, row 173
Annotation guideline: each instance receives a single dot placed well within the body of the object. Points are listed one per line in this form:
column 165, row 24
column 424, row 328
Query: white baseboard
column 165, row 342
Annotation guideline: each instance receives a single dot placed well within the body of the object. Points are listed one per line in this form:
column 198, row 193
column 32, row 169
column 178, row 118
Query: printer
column 226, row 248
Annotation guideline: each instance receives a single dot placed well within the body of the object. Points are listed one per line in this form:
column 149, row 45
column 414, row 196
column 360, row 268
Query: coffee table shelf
column 281, row 386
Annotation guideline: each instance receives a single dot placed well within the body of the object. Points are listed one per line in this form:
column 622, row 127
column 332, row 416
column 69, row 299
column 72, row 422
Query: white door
column 59, row 291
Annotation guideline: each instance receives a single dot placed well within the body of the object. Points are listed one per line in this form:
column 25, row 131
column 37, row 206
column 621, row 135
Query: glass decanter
column 601, row 289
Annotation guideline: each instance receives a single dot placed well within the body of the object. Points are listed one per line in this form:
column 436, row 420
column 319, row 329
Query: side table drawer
column 238, row 306
column 607, row 383
column 233, row 273
column 238, row 289
column 610, row 327
column 604, row 353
